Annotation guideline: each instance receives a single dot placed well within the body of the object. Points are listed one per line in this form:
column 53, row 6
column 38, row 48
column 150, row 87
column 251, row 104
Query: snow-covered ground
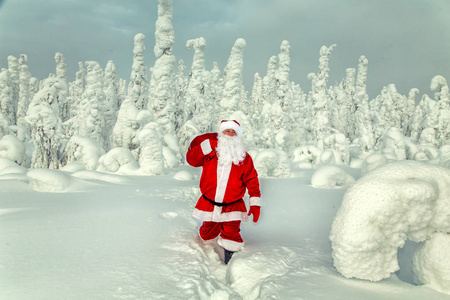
column 132, row 237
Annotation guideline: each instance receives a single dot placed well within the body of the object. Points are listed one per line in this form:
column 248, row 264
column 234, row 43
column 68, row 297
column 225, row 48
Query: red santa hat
column 230, row 124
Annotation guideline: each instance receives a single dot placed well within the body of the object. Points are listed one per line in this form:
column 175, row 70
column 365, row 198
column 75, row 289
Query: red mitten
column 255, row 211
column 213, row 144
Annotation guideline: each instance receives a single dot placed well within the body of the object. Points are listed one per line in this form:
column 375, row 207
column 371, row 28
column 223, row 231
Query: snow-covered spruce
column 399, row 201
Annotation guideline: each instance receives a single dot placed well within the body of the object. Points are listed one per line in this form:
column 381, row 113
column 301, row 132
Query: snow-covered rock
column 393, row 203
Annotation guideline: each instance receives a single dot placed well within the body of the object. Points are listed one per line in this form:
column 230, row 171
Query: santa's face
column 230, row 148
column 229, row 132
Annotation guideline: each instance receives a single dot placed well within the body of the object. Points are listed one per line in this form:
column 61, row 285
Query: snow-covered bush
column 272, row 163
column 118, row 160
column 373, row 161
column 328, row 177
column 444, row 156
column 151, row 158
column 83, row 149
column 399, row 201
column 13, row 149
column 307, row 154
column 393, row 144
column 431, row 263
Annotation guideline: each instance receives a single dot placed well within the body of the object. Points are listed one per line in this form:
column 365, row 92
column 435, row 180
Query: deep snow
column 132, row 237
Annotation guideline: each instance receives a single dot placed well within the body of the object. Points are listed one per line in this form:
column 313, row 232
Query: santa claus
column 228, row 171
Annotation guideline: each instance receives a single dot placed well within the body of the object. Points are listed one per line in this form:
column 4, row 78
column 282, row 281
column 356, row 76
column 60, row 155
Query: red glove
column 255, row 211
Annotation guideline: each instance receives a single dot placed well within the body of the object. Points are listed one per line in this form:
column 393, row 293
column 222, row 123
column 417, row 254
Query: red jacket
column 223, row 184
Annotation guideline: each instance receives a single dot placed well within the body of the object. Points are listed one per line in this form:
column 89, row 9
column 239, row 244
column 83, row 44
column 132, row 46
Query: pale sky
column 407, row 42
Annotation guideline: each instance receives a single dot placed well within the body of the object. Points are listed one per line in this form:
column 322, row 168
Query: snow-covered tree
column 111, row 89
column 46, row 126
column 125, row 130
column 162, row 95
column 24, row 91
column 151, row 158
column 319, row 96
column 138, row 87
column 363, row 124
column 76, row 90
column 6, row 98
column 181, row 84
column 442, row 97
column 61, row 75
column 13, row 68
column 198, row 105
column 93, row 124
column 233, row 95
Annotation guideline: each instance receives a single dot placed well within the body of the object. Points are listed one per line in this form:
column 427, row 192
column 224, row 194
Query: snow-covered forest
column 146, row 122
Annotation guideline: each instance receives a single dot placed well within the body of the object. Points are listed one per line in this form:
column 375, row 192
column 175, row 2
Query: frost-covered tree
column 363, row 124
column 216, row 91
column 138, row 87
column 264, row 132
column 93, row 124
column 76, row 90
column 181, row 84
column 198, row 105
column 13, row 68
column 6, row 96
column 24, row 91
column 256, row 101
column 442, row 98
column 233, row 92
column 61, row 75
column 319, row 96
column 46, row 126
column 151, row 158
column 111, row 89
column 162, row 83
column 125, row 130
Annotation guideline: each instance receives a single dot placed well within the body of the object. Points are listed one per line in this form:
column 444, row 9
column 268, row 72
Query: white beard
column 230, row 149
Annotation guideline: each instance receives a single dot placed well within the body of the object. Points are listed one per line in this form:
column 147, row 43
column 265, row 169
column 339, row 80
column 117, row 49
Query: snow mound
column 328, row 177
column 183, row 175
column 6, row 163
column 94, row 175
column 398, row 201
column 47, row 180
column 13, row 149
column 431, row 263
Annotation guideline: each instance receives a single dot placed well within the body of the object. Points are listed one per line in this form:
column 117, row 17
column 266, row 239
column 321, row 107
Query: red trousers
column 230, row 237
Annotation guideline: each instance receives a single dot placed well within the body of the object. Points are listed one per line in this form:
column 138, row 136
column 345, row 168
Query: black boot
column 227, row 255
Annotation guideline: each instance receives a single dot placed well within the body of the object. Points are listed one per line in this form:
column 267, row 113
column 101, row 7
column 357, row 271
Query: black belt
column 219, row 203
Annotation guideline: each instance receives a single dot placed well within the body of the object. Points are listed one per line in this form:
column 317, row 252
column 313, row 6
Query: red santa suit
column 221, row 206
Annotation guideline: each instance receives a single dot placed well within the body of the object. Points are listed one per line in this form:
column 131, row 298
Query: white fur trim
column 231, row 125
column 254, row 201
column 223, row 174
column 229, row 244
column 206, row 147
column 209, row 216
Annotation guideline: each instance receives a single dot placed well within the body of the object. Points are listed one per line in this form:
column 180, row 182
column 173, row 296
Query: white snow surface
column 110, row 236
